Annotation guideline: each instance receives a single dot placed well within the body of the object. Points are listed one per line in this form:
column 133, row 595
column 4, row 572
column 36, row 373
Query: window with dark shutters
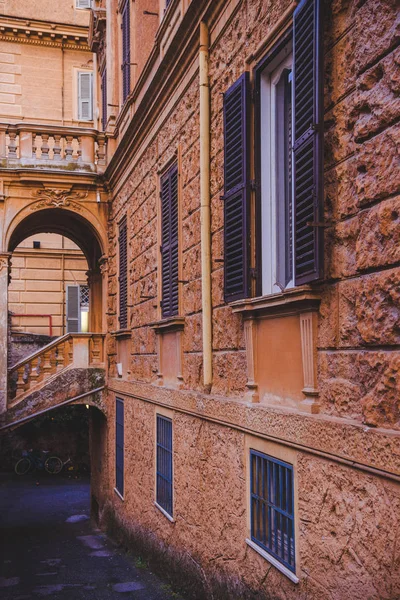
column 308, row 141
column 126, row 51
column 169, row 242
column 119, row 446
column 236, row 191
column 104, row 99
column 72, row 308
column 123, row 274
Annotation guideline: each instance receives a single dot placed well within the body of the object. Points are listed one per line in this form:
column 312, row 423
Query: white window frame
column 80, row 72
column 79, row 3
column 268, row 81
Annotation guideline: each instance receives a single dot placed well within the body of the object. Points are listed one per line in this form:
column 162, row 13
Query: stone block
column 341, row 198
column 191, row 230
column 192, row 336
column 47, row 309
column 340, row 249
column 191, row 297
column 229, row 373
column 378, row 242
column 41, row 297
column 228, row 331
column 217, row 287
column 328, row 317
column 43, row 263
column 48, row 286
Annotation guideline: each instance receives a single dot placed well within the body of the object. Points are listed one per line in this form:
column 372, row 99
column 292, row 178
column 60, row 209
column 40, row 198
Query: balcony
column 48, row 147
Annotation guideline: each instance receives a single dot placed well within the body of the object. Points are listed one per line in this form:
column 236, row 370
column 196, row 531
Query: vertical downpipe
column 205, row 212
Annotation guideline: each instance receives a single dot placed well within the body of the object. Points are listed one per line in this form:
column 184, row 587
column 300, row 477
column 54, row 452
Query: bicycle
column 31, row 462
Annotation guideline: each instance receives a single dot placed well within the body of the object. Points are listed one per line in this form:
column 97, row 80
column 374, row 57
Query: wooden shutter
column 123, row 275
column 169, row 242
column 104, row 99
column 126, row 51
column 308, row 141
column 236, row 191
column 73, row 309
column 85, row 102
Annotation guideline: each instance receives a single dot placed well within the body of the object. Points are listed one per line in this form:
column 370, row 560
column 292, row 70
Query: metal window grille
column 272, row 507
column 84, row 296
column 119, row 446
column 164, row 463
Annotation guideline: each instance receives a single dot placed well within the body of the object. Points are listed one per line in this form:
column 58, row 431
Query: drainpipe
column 205, row 212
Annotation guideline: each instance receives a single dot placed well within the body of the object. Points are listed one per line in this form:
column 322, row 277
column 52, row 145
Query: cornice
column 43, row 33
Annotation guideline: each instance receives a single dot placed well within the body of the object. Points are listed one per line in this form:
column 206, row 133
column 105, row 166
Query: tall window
column 289, row 165
column 119, row 446
column 104, row 99
column 164, row 464
column 169, row 242
column 126, row 51
column 123, row 274
column 272, row 507
column 85, row 95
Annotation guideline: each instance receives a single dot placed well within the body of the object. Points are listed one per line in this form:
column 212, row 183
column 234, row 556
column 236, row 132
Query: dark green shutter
column 126, row 51
column 169, row 242
column 123, row 274
column 73, row 308
column 236, row 191
column 308, row 141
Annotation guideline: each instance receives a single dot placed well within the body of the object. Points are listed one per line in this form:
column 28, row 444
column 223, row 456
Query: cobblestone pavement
column 49, row 549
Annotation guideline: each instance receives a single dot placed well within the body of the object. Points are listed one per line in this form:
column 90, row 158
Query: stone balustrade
column 78, row 351
column 50, row 147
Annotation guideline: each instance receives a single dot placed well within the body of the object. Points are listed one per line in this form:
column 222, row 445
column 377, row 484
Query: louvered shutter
column 85, row 91
column 84, row 3
column 123, row 275
column 236, row 191
column 169, row 242
column 73, row 309
column 119, row 446
column 308, row 141
column 104, row 99
column 126, row 51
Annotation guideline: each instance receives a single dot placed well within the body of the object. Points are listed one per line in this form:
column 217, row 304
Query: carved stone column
column 4, row 277
column 308, row 325
column 250, row 335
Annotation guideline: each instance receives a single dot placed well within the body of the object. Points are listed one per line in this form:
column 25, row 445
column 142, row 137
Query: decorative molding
column 4, row 263
column 55, row 198
column 104, row 265
column 43, row 33
column 250, row 335
column 308, row 351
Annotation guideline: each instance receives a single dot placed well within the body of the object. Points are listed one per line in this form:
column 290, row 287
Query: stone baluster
column 68, row 147
column 70, row 350
column 21, row 380
column 12, row 145
column 53, row 360
column 28, row 368
column 34, row 374
column 60, row 356
column 57, row 147
column 34, row 145
column 45, row 146
column 46, row 365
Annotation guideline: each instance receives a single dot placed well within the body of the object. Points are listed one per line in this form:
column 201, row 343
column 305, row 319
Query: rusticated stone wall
column 347, row 518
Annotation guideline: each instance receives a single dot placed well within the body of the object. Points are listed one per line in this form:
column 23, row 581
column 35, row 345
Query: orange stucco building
column 239, row 213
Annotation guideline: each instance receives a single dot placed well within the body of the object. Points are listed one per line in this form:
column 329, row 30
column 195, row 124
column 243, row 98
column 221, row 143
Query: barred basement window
column 164, row 464
column 169, row 243
column 272, row 507
column 123, row 274
column 119, row 446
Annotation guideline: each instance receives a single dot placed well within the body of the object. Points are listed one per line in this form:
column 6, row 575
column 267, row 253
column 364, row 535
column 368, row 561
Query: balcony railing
column 25, row 145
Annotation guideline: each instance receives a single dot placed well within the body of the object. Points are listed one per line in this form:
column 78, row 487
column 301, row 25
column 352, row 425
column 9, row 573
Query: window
column 272, row 507
column 123, row 274
column 85, row 96
column 169, row 243
column 104, row 99
column 288, row 182
column 119, row 446
column 83, row 3
column 126, row 51
column 164, row 464
column 77, row 308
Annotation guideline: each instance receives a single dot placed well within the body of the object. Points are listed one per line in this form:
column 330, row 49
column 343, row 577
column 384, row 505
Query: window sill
column 169, row 324
column 164, row 512
column 119, row 495
column 273, row 561
column 289, row 302
column 121, row 333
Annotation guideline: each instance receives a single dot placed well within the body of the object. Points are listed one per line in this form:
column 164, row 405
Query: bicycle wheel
column 53, row 465
column 23, row 466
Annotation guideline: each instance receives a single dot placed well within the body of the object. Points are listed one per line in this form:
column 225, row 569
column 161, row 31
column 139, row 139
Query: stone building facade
column 304, row 376
column 248, row 242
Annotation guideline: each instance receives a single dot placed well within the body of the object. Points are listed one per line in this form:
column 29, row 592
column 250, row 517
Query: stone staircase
column 69, row 369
